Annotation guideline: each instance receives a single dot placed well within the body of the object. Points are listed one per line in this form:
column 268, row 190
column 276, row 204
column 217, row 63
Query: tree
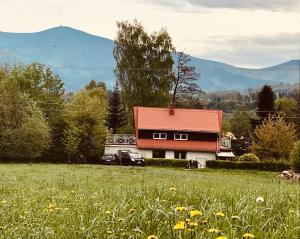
column 86, row 131
column 24, row 131
column 116, row 116
column 240, row 124
column 144, row 65
column 286, row 106
column 274, row 138
column 265, row 102
column 184, row 86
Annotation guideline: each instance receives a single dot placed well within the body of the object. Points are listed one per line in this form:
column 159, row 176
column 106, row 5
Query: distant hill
column 79, row 57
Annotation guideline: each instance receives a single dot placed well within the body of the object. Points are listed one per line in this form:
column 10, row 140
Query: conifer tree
column 116, row 116
column 265, row 102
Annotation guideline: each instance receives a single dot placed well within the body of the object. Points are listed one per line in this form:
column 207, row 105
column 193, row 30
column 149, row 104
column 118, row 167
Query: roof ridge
column 187, row 109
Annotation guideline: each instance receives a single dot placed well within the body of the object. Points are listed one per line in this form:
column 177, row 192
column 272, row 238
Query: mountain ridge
column 78, row 57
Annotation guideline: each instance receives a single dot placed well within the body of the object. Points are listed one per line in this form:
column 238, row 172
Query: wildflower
column 248, row 235
column 213, row 230
column 179, row 225
column 180, row 209
column 205, row 221
column 235, row 217
column 193, row 224
column 109, row 232
column 221, row 237
column 187, row 220
column 173, row 189
column 107, row 212
column 260, row 200
column 220, row 214
column 3, row 201
column 194, row 213
column 52, row 205
column 50, row 210
column 132, row 210
column 152, row 237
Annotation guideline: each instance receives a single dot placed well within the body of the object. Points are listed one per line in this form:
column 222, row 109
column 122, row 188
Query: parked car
column 126, row 157
column 108, row 159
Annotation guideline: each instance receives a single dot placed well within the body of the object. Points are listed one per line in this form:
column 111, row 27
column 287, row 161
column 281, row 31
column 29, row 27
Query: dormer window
column 159, row 136
column 180, row 137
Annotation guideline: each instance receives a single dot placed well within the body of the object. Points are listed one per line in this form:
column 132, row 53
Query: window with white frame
column 159, row 136
column 180, row 137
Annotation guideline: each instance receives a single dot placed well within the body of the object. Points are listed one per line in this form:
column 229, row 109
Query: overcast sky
column 249, row 33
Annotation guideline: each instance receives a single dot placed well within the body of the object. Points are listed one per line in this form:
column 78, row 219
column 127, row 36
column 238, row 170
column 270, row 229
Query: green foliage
column 274, row 138
column 295, row 157
column 249, row 157
column 253, row 165
column 166, row 162
column 24, row 131
column 86, row 131
column 286, row 106
column 144, row 65
column 265, row 102
column 116, row 116
column 240, row 124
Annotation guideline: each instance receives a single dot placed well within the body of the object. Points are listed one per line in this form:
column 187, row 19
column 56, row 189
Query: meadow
column 92, row 201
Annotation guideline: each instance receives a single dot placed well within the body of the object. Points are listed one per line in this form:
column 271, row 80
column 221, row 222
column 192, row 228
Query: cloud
column 273, row 5
column 252, row 51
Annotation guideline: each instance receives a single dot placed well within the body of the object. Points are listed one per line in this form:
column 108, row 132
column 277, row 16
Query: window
column 159, row 136
column 180, row 155
column 180, row 137
column 159, row 154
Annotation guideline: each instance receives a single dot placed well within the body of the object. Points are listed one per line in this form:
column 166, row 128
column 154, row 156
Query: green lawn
column 86, row 201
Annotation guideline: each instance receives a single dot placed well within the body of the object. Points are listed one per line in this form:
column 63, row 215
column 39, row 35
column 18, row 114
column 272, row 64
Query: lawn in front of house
column 92, row 201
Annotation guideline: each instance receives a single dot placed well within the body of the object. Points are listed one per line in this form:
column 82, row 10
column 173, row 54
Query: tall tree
column 144, row 65
column 184, row 85
column 240, row 124
column 116, row 113
column 265, row 102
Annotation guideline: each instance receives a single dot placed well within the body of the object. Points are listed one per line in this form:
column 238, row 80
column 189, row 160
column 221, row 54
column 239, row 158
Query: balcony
column 121, row 139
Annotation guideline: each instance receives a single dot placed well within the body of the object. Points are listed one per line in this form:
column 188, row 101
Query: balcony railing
column 121, row 139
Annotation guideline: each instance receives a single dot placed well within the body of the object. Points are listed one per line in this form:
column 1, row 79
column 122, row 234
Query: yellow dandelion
column 213, row 230
column 50, row 210
column 132, row 210
column 173, row 189
column 248, row 235
column 193, row 224
column 179, row 225
column 180, row 209
column 3, row 201
column 152, row 237
column 107, row 212
column 194, row 213
column 221, row 237
column 235, row 217
column 220, row 214
column 109, row 232
column 187, row 220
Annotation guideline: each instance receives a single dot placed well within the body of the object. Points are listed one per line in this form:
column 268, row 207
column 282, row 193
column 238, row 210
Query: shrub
column 166, row 162
column 249, row 157
column 257, row 165
column 295, row 157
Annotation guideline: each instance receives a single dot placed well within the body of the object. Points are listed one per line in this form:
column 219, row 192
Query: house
column 192, row 134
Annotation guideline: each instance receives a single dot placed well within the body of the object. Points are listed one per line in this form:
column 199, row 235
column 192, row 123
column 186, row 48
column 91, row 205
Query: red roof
column 183, row 119
column 188, row 120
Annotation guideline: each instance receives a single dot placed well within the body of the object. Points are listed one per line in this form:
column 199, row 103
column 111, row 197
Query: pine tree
column 265, row 102
column 116, row 116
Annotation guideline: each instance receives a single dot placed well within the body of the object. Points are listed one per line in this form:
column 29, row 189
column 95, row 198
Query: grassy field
column 86, row 201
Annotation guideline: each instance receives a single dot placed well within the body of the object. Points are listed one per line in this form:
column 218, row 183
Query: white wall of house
column 201, row 155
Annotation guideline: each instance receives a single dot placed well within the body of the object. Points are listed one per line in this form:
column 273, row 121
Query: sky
column 246, row 33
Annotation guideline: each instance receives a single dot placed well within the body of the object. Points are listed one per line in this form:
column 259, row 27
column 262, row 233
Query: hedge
column 261, row 165
column 181, row 163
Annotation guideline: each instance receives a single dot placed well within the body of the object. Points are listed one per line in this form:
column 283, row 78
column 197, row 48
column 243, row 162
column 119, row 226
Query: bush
column 257, row 165
column 295, row 157
column 249, row 157
column 166, row 162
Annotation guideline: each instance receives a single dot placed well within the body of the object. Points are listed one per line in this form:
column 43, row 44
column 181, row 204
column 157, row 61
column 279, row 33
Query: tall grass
column 83, row 201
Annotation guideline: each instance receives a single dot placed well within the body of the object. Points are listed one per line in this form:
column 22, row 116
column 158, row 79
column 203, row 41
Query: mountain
column 79, row 57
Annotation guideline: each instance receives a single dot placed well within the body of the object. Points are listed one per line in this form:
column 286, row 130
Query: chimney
column 171, row 109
